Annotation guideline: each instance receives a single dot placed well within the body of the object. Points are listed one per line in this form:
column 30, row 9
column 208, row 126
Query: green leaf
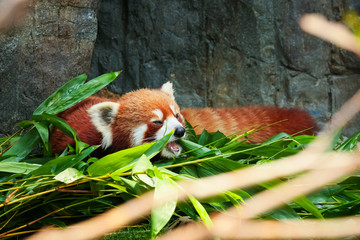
column 43, row 131
column 201, row 211
column 69, row 175
column 25, row 124
column 73, row 92
column 309, row 206
column 204, row 138
column 221, row 165
column 215, row 139
column 350, row 143
column 276, row 138
column 161, row 214
column 53, row 221
column 159, row 174
column 59, row 164
column 194, row 148
column 18, row 167
column 326, row 193
column 188, row 209
column 159, row 145
column 117, row 186
column 117, row 160
column 135, row 187
column 52, row 101
column 234, row 198
column 304, row 202
column 63, row 126
column 282, row 213
column 190, row 132
column 142, row 165
column 218, row 139
column 25, row 145
column 150, row 153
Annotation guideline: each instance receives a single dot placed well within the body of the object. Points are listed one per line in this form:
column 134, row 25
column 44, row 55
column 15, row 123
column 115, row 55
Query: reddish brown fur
column 135, row 109
column 78, row 118
column 242, row 119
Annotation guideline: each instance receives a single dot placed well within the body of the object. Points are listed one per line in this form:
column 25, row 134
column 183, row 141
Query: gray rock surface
column 53, row 44
column 227, row 53
column 217, row 53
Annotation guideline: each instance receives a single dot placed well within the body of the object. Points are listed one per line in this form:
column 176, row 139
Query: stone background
column 216, row 52
column 53, row 44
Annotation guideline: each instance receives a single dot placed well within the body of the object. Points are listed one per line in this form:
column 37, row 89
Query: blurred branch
column 10, row 12
column 336, row 33
column 234, row 228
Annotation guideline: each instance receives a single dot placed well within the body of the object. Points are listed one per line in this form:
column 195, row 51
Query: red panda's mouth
column 173, row 147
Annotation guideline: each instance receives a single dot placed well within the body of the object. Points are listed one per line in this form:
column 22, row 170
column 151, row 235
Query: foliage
column 40, row 189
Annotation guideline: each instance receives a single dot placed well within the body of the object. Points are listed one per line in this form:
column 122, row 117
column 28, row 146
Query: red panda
column 238, row 120
column 147, row 115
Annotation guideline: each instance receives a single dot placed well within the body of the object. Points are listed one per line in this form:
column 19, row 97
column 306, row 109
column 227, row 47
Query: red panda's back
column 242, row 119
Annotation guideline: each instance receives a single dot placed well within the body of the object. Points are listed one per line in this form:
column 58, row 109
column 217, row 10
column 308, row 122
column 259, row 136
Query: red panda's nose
column 179, row 132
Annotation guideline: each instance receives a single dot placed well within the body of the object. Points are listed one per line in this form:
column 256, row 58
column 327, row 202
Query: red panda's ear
column 102, row 116
column 168, row 88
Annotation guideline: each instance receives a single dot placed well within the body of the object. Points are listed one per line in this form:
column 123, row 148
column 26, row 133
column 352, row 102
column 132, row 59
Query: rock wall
column 52, row 45
column 227, row 53
column 216, row 52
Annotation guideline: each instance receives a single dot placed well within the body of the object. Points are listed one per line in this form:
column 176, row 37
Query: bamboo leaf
column 63, row 126
column 69, row 175
column 309, row 206
column 350, row 143
column 79, row 94
column 150, row 152
column 73, row 92
column 18, row 167
column 133, row 186
column 302, row 200
column 143, row 165
column 188, row 209
column 59, row 164
column 160, row 215
column 204, row 138
column 201, row 211
column 43, row 131
column 58, row 96
column 24, row 146
column 282, row 213
column 159, row 145
column 194, row 149
column 25, row 124
column 117, row 160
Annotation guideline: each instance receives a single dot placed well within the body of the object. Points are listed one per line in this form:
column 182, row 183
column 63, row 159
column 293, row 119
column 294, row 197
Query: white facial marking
column 173, row 109
column 158, row 113
column 138, row 134
column 169, row 124
column 102, row 116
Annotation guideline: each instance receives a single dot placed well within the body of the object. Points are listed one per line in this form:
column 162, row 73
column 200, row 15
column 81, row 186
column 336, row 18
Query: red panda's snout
column 173, row 149
column 162, row 122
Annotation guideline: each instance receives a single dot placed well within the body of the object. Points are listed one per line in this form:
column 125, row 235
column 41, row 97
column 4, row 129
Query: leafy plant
column 38, row 189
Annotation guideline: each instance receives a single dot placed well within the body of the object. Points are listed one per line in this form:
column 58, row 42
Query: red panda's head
column 138, row 117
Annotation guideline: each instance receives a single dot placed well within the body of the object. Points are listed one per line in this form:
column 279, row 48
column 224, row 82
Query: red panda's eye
column 177, row 116
column 158, row 122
